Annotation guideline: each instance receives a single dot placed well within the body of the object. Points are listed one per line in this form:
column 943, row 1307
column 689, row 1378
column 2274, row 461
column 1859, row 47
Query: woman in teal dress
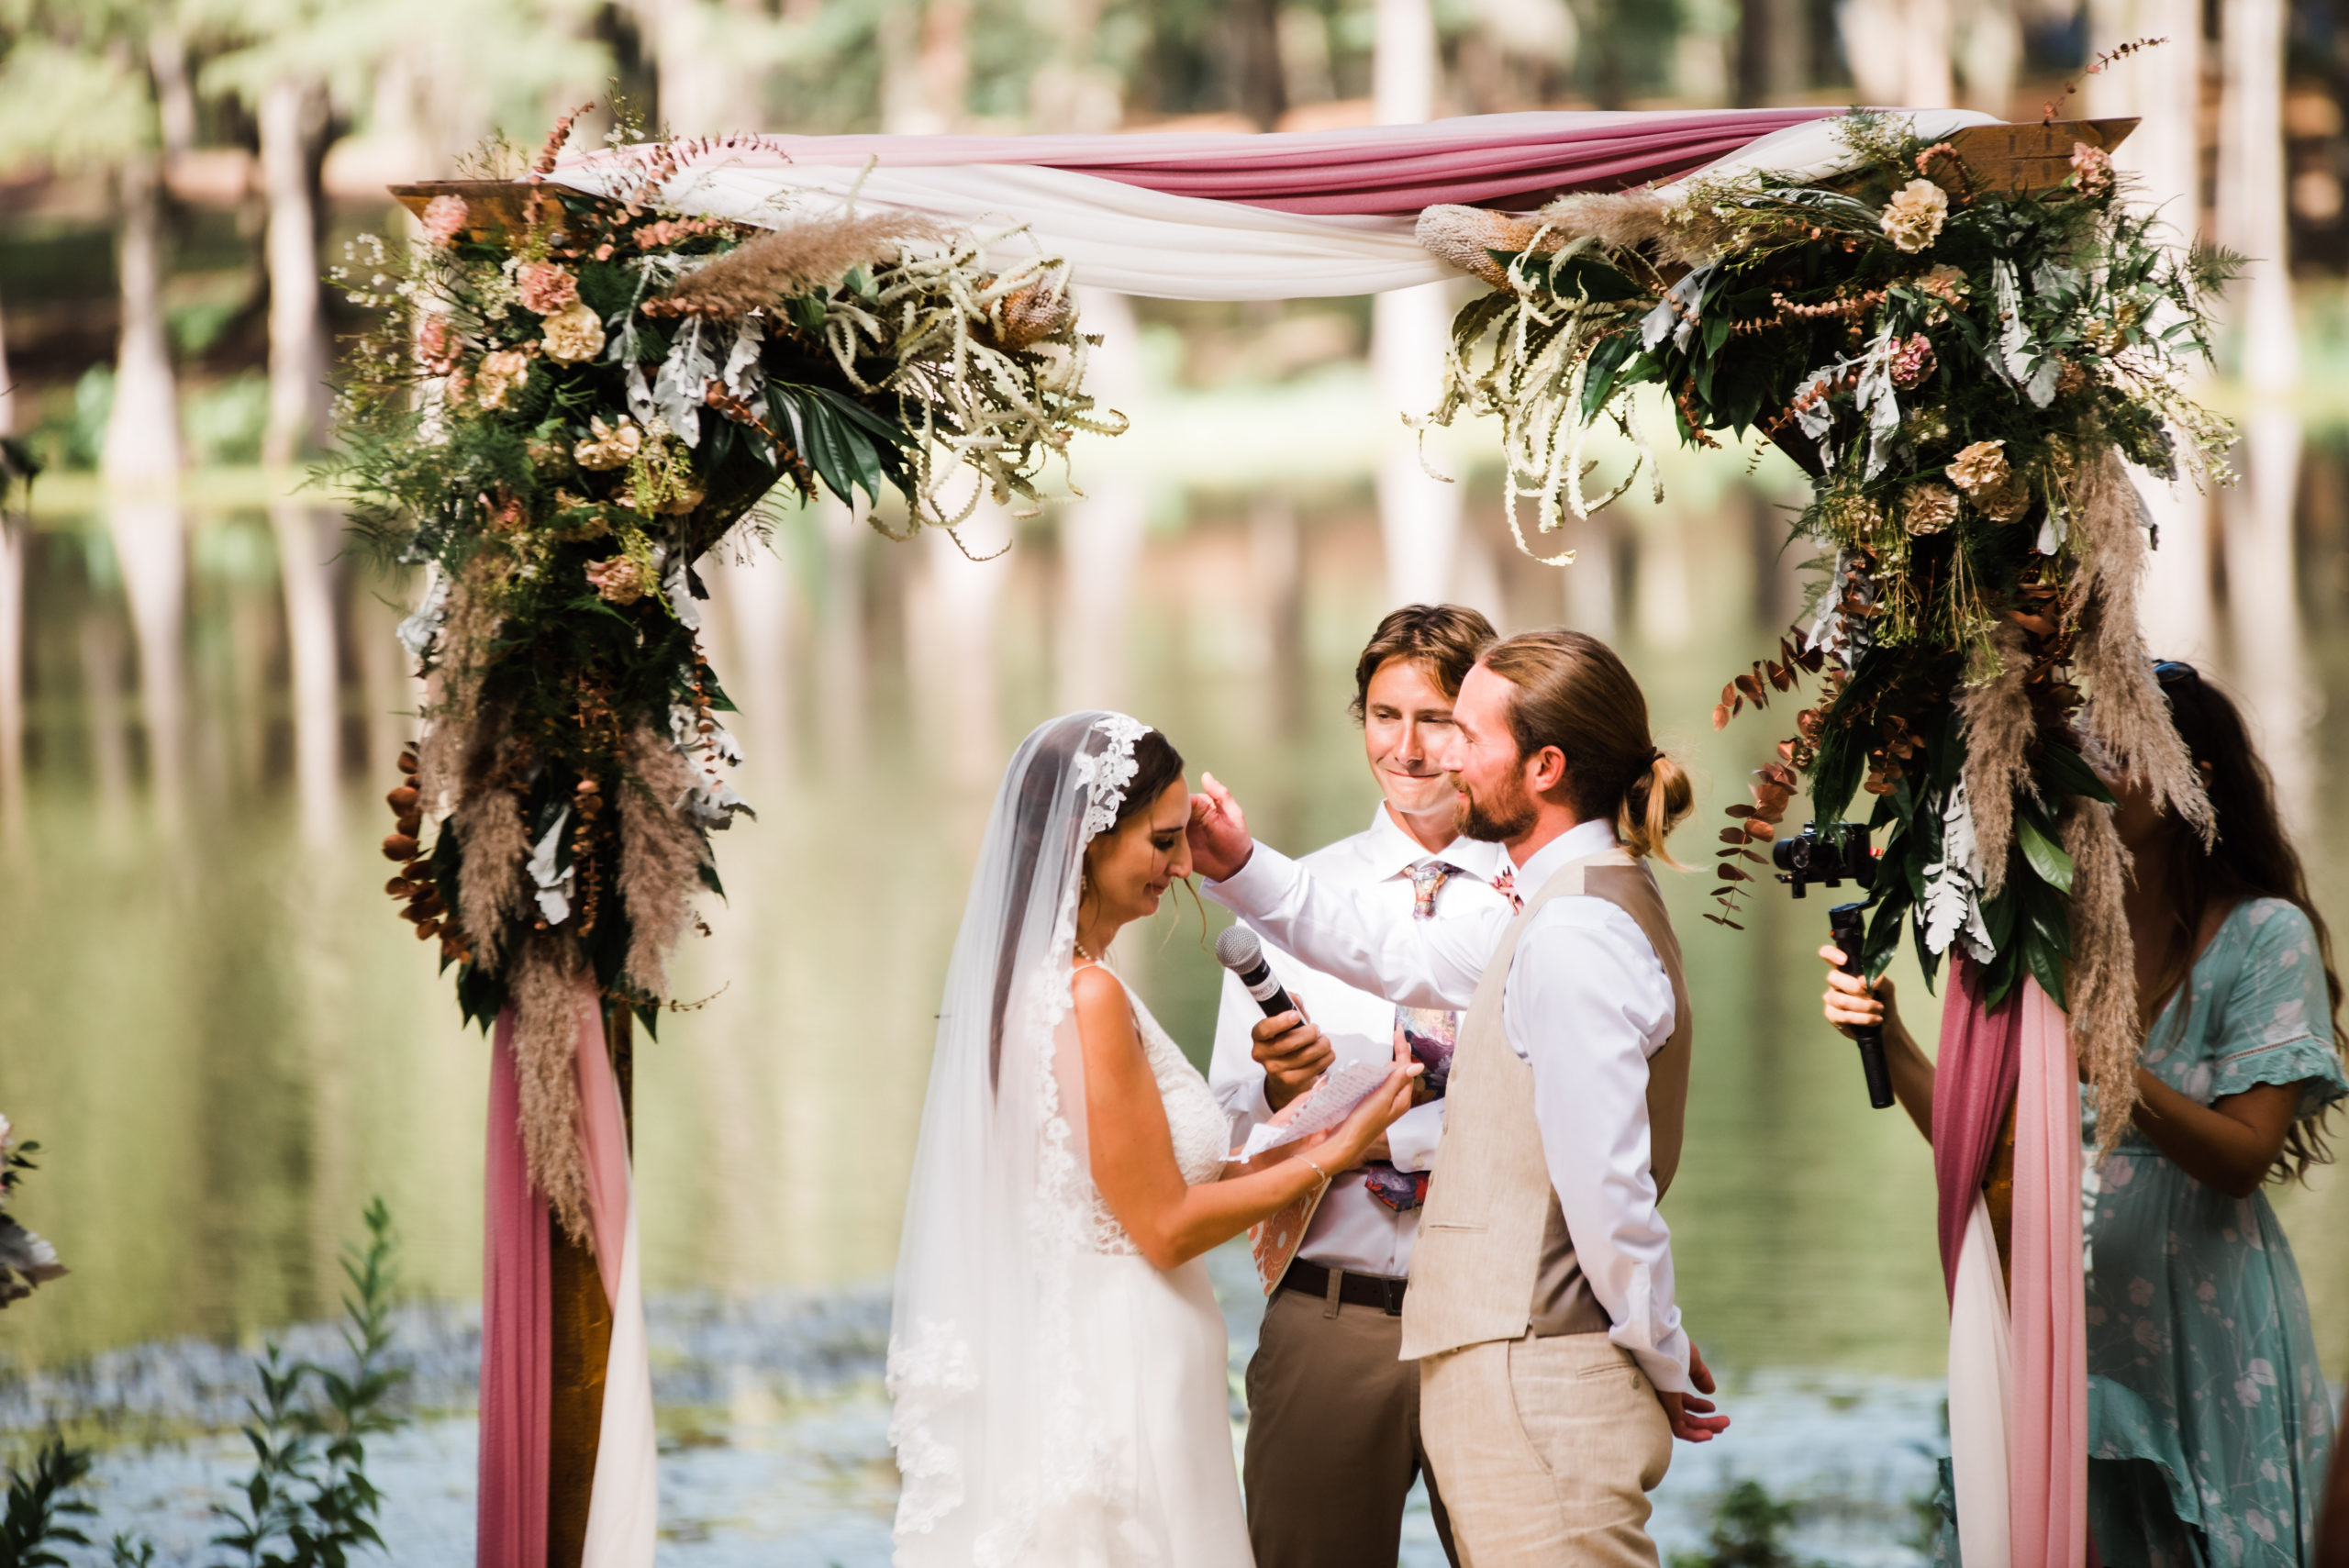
column 2210, row 1424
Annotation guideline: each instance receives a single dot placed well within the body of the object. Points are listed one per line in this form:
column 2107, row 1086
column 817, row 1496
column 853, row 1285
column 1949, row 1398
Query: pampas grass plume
column 810, row 254
column 661, row 858
column 546, row 989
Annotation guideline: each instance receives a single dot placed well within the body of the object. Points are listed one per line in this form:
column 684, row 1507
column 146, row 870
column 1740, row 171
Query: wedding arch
column 588, row 376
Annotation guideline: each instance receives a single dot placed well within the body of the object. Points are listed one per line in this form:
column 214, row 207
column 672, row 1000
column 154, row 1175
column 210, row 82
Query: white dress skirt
column 1155, row 1341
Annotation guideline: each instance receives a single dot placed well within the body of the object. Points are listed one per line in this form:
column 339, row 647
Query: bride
column 1056, row 1358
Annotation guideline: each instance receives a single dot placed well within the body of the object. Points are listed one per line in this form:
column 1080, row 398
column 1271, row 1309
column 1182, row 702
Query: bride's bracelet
column 1317, row 1166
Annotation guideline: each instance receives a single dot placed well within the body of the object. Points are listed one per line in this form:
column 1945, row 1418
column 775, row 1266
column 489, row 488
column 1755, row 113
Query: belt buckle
column 1390, row 1293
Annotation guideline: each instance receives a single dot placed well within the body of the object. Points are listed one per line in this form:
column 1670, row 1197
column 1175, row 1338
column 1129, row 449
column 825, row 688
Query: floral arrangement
column 25, row 1260
column 569, row 400
column 1962, row 368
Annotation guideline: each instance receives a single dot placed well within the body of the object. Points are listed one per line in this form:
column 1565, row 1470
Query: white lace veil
column 985, row 1367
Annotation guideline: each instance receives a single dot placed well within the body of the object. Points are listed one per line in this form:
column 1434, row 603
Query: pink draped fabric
column 1517, row 159
column 1974, row 1075
column 517, row 1312
column 516, row 1340
column 603, row 1136
column 2048, row 1459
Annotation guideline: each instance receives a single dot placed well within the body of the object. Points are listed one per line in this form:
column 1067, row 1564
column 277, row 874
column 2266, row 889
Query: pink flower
column 2091, row 170
column 616, row 580
column 1912, row 363
column 444, row 219
column 546, row 287
column 436, row 345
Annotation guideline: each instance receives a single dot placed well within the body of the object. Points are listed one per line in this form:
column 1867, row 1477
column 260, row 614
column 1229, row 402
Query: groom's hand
column 1692, row 1416
column 1293, row 1053
column 1217, row 831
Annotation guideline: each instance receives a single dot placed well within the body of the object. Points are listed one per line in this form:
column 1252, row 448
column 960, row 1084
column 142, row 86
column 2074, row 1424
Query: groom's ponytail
column 1574, row 692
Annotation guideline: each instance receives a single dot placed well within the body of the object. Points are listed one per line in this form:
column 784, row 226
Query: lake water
column 226, row 1041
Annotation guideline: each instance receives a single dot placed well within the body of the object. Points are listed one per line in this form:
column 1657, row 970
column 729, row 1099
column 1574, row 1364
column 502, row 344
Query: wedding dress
column 1058, row 1401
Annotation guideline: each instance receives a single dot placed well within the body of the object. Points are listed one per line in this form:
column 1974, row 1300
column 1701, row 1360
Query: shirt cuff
column 1411, row 1139
column 1256, row 887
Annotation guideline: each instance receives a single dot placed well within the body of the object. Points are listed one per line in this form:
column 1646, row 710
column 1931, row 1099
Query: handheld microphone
column 1844, row 921
column 1238, row 950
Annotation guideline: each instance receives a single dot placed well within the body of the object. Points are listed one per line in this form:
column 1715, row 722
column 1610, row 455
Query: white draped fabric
column 1131, row 239
column 1981, row 1396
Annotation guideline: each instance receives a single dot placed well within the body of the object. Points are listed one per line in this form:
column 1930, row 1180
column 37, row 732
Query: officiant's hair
column 1442, row 640
column 1573, row 693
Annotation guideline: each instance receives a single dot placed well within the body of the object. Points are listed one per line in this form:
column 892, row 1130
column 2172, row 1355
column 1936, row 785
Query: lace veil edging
column 989, row 1410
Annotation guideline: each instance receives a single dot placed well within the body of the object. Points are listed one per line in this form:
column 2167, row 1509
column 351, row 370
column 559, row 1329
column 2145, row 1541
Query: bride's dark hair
column 1157, row 765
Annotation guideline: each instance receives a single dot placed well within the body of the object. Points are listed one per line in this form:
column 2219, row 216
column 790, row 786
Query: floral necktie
column 1505, row 883
column 1430, row 1033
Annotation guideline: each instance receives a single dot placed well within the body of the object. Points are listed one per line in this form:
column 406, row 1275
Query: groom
column 1542, row 1280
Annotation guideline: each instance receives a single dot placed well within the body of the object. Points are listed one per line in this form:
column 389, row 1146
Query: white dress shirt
column 1585, row 1004
column 1351, row 1229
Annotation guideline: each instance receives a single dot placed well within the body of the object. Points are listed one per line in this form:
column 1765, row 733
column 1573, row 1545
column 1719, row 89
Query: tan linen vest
column 1493, row 1257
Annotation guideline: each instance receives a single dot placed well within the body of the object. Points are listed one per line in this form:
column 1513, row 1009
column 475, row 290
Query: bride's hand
column 1348, row 1144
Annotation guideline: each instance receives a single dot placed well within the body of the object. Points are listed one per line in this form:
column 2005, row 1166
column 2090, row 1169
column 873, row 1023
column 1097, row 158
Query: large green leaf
column 2046, row 856
column 2069, row 774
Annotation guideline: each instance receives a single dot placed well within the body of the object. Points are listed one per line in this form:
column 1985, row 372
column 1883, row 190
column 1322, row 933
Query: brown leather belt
column 1381, row 1291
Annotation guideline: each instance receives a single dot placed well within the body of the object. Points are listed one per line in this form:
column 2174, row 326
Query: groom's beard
column 1497, row 820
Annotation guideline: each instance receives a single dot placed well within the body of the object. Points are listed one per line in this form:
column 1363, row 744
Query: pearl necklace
column 1081, row 953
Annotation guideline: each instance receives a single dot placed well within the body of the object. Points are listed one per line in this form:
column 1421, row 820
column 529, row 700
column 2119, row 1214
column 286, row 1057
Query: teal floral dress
column 2208, row 1420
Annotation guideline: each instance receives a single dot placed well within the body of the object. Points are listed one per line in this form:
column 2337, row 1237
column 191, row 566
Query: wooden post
column 582, row 1345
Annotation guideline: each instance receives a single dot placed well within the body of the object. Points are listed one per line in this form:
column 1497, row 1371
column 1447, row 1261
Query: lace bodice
column 1201, row 1134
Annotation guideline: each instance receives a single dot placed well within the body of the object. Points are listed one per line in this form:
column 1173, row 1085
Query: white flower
column 1929, row 508
column 1980, row 467
column 573, row 334
column 611, row 446
column 1913, row 219
column 502, row 370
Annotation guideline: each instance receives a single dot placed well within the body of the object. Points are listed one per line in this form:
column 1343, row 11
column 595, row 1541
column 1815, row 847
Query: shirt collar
column 1582, row 838
column 1393, row 852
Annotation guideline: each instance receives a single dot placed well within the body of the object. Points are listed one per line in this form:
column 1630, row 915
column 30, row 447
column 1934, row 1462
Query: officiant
column 1334, row 1438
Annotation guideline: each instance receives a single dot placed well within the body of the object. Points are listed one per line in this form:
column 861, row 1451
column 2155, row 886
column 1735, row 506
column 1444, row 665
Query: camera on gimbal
column 1827, row 855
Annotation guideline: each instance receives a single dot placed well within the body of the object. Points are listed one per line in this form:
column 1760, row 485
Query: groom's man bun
column 1573, row 693
column 1442, row 640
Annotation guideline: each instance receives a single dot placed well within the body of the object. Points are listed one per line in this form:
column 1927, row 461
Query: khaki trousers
column 1547, row 1449
column 1333, row 1436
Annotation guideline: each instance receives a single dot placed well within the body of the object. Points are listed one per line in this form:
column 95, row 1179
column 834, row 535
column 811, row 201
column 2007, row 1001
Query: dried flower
column 1928, row 508
column 1912, row 363
column 502, row 372
column 609, row 446
column 547, row 287
column 2101, row 337
column 1980, row 468
column 574, row 333
column 436, row 345
column 2092, row 172
column 444, row 219
column 619, row 580
column 1913, row 219
column 2070, row 379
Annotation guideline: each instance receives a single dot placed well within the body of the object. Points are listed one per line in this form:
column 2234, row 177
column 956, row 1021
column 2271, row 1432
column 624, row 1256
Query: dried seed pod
column 399, row 888
column 409, row 764
column 418, row 870
column 399, row 847
column 428, row 928
column 403, row 799
column 410, row 824
column 428, row 901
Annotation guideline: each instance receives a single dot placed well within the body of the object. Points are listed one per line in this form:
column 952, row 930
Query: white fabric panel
column 623, row 1509
column 1140, row 241
column 1115, row 236
column 1981, row 1396
column 1813, row 152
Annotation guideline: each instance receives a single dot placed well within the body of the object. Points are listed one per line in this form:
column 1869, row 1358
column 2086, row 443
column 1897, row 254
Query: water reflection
column 226, row 1043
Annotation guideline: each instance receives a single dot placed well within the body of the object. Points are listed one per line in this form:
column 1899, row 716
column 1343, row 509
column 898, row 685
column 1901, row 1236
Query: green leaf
column 2068, row 773
column 2046, row 962
column 2046, row 856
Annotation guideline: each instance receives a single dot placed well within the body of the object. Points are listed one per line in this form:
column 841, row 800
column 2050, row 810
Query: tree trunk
column 2251, row 192
column 305, row 548
column 1992, row 53
column 1772, row 51
column 142, row 444
column 293, row 120
column 2165, row 86
column 1255, row 41
column 1404, row 63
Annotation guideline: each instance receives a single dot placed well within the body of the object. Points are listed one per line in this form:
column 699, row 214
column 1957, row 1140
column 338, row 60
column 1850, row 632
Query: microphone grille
column 1238, row 948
